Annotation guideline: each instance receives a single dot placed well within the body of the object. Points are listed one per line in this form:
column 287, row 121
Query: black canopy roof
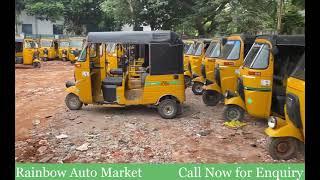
column 285, row 40
column 134, row 37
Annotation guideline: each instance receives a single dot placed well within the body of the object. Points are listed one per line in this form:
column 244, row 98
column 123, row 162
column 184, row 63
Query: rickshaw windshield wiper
column 255, row 58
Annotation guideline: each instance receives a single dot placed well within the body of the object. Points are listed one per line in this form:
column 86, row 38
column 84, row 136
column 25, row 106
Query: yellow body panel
column 212, row 87
column 209, row 64
column 235, row 100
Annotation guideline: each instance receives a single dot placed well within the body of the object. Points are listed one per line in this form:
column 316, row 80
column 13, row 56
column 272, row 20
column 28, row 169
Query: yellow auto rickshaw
column 207, row 64
column 27, row 52
column 186, row 64
column 48, row 48
column 235, row 48
column 75, row 47
column 63, row 49
column 161, row 82
column 285, row 135
column 261, row 87
column 196, row 62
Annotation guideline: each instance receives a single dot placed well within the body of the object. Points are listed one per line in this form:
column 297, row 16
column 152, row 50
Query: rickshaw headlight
column 272, row 122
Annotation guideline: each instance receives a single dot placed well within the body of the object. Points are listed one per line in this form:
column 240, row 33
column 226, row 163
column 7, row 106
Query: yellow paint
column 28, row 51
column 52, row 51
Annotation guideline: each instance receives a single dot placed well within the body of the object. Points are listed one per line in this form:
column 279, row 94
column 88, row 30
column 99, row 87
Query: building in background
column 31, row 25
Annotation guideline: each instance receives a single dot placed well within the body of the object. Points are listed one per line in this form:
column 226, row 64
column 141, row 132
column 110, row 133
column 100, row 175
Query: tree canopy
column 191, row 17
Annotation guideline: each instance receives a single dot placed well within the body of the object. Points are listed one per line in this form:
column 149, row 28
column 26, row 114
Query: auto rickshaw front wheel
column 73, row 102
column 233, row 113
column 211, row 98
column 168, row 108
column 36, row 65
column 282, row 148
column 197, row 88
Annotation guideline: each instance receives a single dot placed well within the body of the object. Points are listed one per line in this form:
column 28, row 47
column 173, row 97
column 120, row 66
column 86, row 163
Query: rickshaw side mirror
column 275, row 51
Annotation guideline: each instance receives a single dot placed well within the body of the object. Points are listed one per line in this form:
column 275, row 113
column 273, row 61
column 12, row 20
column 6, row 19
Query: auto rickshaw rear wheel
column 233, row 113
column 197, row 88
column 282, row 148
column 73, row 102
column 211, row 98
column 168, row 108
column 36, row 65
column 187, row 81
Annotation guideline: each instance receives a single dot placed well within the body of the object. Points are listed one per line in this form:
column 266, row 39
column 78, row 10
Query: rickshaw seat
column 112, row 81
column 117, row 71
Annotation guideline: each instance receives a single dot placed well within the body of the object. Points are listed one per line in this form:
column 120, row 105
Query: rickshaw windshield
column 210, row 48
column 77, row 44
column 83, row 54
column 190, row 50
column 198, row 49
column 186, row 47
column 30, row 44
column 214, row 52
column 231, row 50
column 299, row 71
column 45, row 43
column 64, row 44
column 258, row 56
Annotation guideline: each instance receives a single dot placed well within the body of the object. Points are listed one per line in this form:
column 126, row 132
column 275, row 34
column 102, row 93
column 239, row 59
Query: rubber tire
column 36, row 65
column 71, row 97
column 217, row 97
column 229, row 108
column 187, row 81
column 163, row 104
column 195, row 84
column 273, row 142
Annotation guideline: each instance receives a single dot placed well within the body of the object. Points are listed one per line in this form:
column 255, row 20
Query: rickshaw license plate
column 265, row 82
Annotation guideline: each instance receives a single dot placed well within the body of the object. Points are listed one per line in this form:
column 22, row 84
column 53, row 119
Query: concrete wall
column 38, row 26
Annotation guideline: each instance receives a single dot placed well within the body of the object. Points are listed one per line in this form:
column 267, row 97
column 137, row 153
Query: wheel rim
column 73, row 102
column 283, row 147
column 168, row 110
column 233, row 114
column 198, row 87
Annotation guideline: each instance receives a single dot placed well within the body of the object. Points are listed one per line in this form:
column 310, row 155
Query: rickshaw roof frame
column 134, row 37
column 284, row 40
column 246, row 38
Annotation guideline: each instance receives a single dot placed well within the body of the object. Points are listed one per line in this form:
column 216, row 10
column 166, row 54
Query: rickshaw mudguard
column 73, row 89
column 237, row 100
column 199, row 79
column 187, row 73
column 212, row 87
column 285, row 130
column 37, row 60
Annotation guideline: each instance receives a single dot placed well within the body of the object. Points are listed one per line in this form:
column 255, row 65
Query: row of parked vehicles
column 260, row 75
column 31, row 50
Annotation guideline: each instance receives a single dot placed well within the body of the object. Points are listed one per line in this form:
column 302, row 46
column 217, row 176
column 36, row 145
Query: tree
column 44, row 9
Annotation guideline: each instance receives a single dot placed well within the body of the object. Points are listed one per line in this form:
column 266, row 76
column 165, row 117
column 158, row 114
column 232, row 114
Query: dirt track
column 131, row 134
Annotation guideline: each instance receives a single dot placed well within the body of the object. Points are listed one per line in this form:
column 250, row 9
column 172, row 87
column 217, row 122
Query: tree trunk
column 279, row 23
column 199, row 26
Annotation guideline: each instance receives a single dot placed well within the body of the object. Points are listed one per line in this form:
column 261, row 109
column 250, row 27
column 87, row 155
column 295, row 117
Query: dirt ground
column 46, row 131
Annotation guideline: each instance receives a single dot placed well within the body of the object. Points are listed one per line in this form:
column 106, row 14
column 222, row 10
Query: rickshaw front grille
column 203, row 71
column 240, row 89
column 217, row 76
